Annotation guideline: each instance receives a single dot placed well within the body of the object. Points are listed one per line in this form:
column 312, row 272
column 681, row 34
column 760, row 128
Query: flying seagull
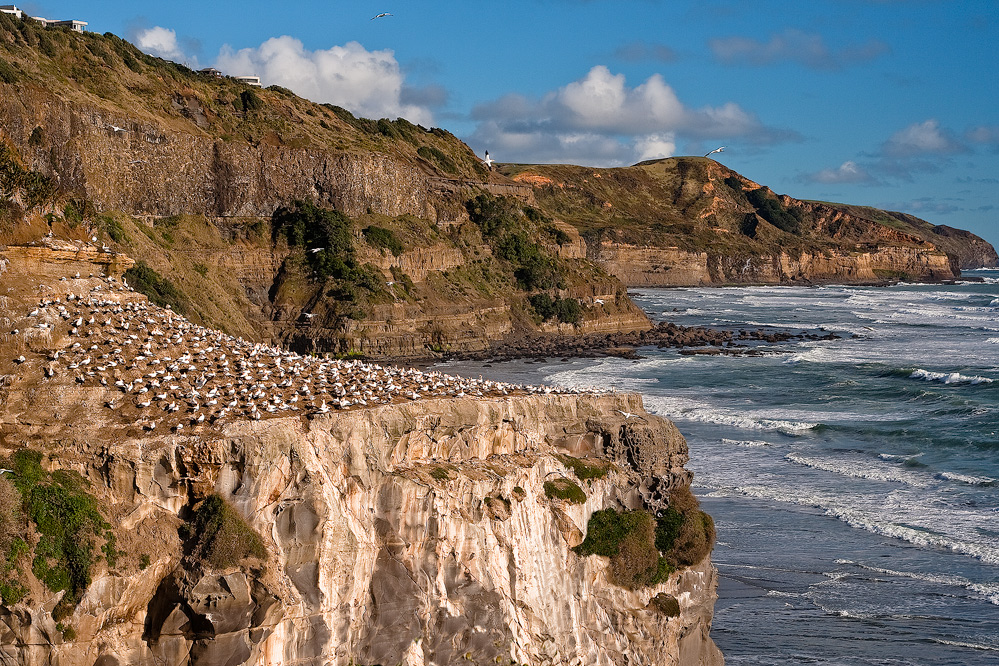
column 382, row 15
column 118, row 129
column 716, row 150
column 488, row 161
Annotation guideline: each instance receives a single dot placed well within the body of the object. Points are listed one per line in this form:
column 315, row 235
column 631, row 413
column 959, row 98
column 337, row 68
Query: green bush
column 438, row 158
column 219, row 537
column 566, row 310
column 157, row 288
column 684, row 533
column 771, row 210
column 628, row 538
column 381, row 237
column 440, row 473
column 7, row 73
column 585, row 470
column 113, row 228
column 665, row 604
column 565, row 489
column 250, row 101
column 11, row 592
column 69, row 525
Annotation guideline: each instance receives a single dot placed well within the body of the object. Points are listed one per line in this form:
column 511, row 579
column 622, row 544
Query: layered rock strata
column 411, row 529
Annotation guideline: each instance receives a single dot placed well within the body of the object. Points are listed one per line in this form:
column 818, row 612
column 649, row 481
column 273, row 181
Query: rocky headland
column 192, row 498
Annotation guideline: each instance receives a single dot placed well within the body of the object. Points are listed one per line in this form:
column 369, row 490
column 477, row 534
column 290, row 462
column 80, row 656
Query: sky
column 887, row 103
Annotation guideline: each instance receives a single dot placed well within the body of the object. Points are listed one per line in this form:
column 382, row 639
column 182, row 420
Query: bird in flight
column 118, row 129
column 488, row 161
column 382, row 15
column 716, row 150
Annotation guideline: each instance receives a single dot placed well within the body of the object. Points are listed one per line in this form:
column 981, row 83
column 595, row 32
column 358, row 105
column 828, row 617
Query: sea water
column 854, row 483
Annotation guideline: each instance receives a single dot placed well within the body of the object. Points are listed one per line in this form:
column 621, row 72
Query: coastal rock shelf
column 410, row 526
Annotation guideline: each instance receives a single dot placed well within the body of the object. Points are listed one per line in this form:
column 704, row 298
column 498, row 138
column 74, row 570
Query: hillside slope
column 691, row 220
column 186, row 172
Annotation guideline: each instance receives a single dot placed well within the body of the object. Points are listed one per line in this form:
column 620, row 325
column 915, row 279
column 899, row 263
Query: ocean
column 854, row 483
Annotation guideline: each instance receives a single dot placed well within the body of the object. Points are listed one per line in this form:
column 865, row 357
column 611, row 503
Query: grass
column 565, row 489
column 217, row 536
column 157, row 288
column 440, row 474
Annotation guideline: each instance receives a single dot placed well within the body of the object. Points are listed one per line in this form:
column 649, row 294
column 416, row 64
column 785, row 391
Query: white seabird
column 716, row 150
column 488, row 161
column 382, row 15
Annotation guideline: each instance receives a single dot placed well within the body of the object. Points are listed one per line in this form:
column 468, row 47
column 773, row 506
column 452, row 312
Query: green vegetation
column 157, row 288
column 69, row 526
column 440, row 474
column 218, row 536
column 665, row 604
column 16, row 180
column 566, row 310
column 643, row 549
column 771, row 210
column 327, row 243
column 7, row 73
column 438, row 158
column 565, row 489
column 586, row 470
column 383, row 238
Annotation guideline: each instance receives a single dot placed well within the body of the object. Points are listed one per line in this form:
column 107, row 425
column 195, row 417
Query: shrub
column 250, row 101
column 585, row 470
column 157, row 288
column 381, row 237
column 665, row 604
column 771, row 210
column 113, row 228
column 69, row 525
column 566, row 310
column 438, row 158
column 440, row 473
column 37, row 137
column 7, row 73
column 684, row 533
column 629, row 539
column 748, row 225
column 565, row 489
column 219, row 537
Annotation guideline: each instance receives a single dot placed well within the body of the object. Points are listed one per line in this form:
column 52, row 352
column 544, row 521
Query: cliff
column 692, row 221
column 408, row 518
column 186, row 172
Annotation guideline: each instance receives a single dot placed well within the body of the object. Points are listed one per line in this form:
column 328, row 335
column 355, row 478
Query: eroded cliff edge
column 416, row 531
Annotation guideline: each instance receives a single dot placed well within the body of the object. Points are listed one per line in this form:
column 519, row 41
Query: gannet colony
column 172, row 373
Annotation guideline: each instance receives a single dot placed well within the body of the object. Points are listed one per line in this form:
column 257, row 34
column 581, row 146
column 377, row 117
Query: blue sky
column 889, row 103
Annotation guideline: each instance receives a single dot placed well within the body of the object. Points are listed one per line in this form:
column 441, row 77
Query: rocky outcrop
column 417, row 532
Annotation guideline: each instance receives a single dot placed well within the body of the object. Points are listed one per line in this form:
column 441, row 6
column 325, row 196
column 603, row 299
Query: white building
column 249, row 80
column 76, row 26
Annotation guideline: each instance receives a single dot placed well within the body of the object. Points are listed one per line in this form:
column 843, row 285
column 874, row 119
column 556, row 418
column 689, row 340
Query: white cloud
column 367, row 83
column 925, row 138
column 160, row 42
column 599, row 119
column 847, row 172
column 792, row 46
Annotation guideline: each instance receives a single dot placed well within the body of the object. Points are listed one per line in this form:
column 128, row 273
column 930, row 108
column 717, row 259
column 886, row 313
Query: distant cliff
column 691, row 220
column 422, row 530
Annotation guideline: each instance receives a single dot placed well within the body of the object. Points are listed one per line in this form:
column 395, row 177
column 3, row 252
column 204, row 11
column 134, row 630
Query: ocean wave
column 899, row 457
column 967, row 478
column 687, row 410
column 972, row 646
column 745, row 442
column 989, row 591
column 948, row 377
column 860, row 469
column 992, row 341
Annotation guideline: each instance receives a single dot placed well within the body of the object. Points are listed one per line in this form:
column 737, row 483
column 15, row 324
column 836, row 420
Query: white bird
column 488, row 161
column 598, row 301
column 309, row 315
column 317, row 249
column 627, row 415
column 382, row 15
column 118, row 129
column 6, row 471
column 716, row 150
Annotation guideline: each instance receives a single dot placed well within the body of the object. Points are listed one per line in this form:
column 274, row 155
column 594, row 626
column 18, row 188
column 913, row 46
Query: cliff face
column 690, row 221
column 417, row 531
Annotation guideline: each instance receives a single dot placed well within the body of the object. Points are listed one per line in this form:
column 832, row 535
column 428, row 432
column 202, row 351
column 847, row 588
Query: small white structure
column 249, row 80
column 11, row 9
column 75, row 26
column 211, row 71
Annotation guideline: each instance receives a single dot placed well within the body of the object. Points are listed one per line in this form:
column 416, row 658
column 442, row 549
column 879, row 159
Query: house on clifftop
column 72, row 24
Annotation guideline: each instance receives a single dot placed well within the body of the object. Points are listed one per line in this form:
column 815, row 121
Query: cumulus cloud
column 367, row 83
column 642, row 51
column 160, row 42
column 599, row 119
column 847, row 172
column 793, row 45
column 925, row 138
column 986, row 135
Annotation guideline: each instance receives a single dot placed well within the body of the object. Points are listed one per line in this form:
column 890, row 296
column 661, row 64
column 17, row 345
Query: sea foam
column 948, row 377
